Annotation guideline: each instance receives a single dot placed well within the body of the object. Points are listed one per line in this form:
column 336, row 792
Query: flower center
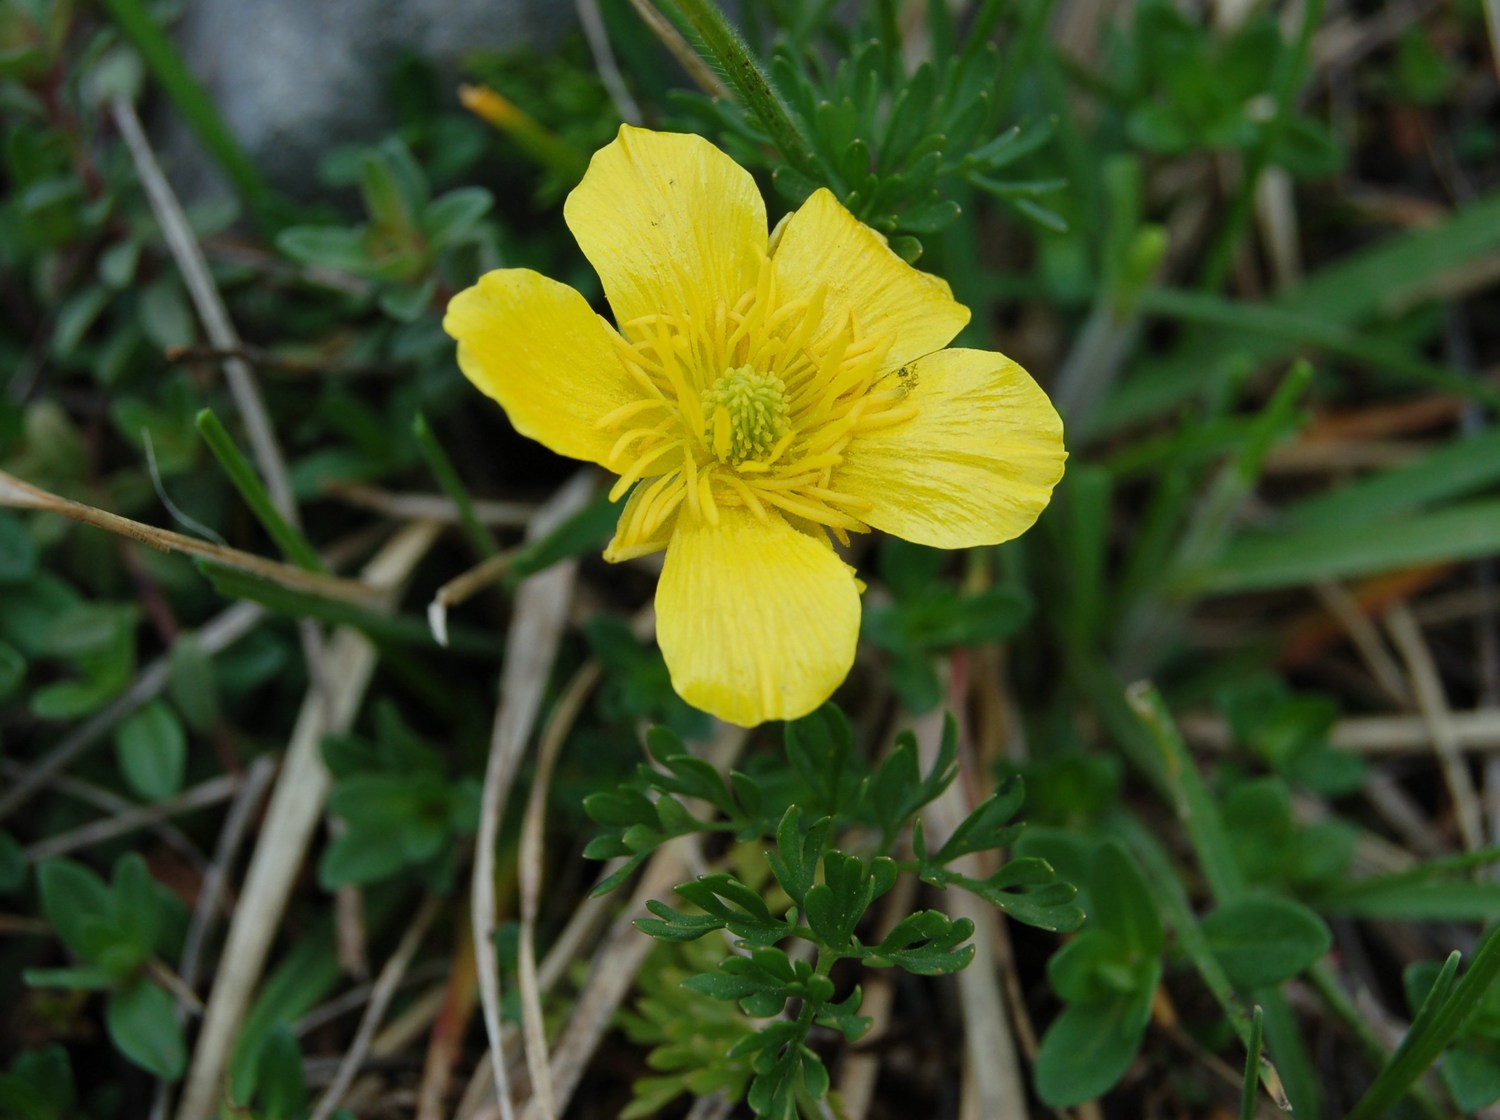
column 745, row 414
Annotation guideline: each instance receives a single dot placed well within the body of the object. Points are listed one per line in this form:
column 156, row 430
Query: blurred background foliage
column 1250, row 249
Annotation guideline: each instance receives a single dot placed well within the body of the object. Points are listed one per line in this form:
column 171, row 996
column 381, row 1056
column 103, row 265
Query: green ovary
column 745, row 414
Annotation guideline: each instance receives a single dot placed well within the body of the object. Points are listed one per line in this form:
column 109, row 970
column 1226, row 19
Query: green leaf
column 81, row 978
column 20, row 1098
column 820, row 749
column 1122, row 902
column 12, row 671
column 1097, row 965
column 762, row 982
column 844, row 1017
column 1264, row 939
column 1088, row 1048
column 1259, row 561
column 1471, row 1071
column 281, row 1089
column 163, row 313
column 193, row 687
column 362, row 855
column 326, row 247
column 452, row 216
column 143, row 1025
column 988, row 827
column 928, row 943
column 834, row 907
column 794, row 861
column 13, row 863
column 71, row 897
column 46, row 1070
column 135, row 909
column 18, row 554
column 407, row 303
column 727, row 904
column 898, row 789
column 151, row 748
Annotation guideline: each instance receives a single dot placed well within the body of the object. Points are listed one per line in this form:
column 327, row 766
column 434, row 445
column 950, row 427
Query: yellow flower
column 761, row 395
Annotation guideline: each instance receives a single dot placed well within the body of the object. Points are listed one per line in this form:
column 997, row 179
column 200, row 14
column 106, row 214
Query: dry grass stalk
column 380, row 998
column 993, row 1082
column 295, row 808
column 620, row 955
column 461, row 588
column 429, row 507
column 541, row 611
column 1428, row 687
column 183, row 246
column 16, row 494
column 689, row 59
column 207, row 793
column 530, row 861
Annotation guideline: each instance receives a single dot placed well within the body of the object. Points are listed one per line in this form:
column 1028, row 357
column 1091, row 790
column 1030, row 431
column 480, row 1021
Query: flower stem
column 752, row 84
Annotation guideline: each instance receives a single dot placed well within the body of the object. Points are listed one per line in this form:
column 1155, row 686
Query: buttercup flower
column 761, row 397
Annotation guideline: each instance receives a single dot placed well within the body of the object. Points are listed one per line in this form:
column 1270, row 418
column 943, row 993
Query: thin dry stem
column 993, row 1083
column 536, row 629
column 110, row 802
column 188, row 255
column 1366, row 638
column 380, row 998
column 17, row 494
column 430, row 507
column 462, row 587
column 1428, row 687
column 135, row 817
column 624, row 950
column 678, row 47
column 290, row 822
column 566, row 712
column 604, row 62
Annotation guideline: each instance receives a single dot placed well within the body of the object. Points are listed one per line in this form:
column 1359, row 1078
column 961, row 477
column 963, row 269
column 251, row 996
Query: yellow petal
column 822, row 243
column 756, row 620
column 671, row 224
column 537, row 348
column 975, row 466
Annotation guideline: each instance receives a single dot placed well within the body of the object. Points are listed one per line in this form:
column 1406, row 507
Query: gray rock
column 294, row 78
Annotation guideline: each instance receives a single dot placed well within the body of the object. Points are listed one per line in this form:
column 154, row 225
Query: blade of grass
column 1301, row 328
column 1458, row 900
column 1209, row 839
column 1250, row 1092
column 1154, row 620
column 1456, row 468
column 443, row 470
column 1171, row 900
column 1264, row 560
column 544, row 146
column 193, row 102
column 1439, row 1019
column 1377, row 282
column 293, row 544
column 380, row 626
